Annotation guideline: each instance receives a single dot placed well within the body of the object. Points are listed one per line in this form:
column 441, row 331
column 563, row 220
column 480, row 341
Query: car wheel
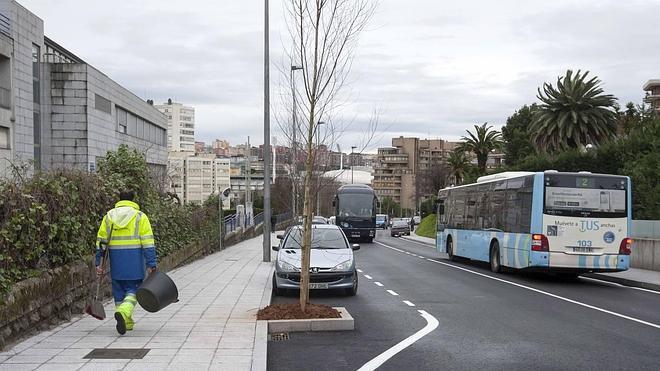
column 276, row 290
column 450, row 249
column 353, row 290
column 495, row 265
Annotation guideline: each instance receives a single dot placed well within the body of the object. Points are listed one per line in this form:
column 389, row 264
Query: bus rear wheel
column 495, row 265
column 450, row 249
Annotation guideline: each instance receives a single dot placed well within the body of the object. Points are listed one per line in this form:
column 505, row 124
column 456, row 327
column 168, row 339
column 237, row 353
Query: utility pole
column 267, row 211
column 352, row 148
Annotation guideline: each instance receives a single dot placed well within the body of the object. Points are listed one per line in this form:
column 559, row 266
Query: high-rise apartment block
column 58, row 111
column 397, row 168
column 180, row 125
column 194, row 177
column 652, row 88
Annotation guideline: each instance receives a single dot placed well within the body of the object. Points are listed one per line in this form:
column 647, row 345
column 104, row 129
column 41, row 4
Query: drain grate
column 279, row 337
column 123, row 353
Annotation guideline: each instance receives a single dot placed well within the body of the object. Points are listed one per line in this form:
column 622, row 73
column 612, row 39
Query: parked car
column 332, row 265
column 332, row 220
column 319, row 220
column 400, row 227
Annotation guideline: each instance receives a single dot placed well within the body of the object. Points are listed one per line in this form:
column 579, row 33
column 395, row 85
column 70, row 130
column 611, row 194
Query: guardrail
column 232, row 222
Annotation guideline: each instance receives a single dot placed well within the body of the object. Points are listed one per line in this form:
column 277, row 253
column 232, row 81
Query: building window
column 102, row 104
column 4, row 137
column 36, row 125
column 121, row 120
column 36, row 90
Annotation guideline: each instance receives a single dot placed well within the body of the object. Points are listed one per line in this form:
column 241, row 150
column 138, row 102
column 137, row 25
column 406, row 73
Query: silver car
column 332, row 265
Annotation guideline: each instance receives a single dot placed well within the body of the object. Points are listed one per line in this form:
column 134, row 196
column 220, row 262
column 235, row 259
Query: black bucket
column 157, row 292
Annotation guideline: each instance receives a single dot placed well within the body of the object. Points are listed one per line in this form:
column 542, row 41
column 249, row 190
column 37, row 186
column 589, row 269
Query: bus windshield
column 358, row 205
column 585, row 196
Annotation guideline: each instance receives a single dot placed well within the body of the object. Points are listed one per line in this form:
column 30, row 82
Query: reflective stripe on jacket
column 131, row 246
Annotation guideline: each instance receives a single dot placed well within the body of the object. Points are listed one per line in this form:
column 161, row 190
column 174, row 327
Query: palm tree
column 458, row 163
column 481, row 143
column 573, row 114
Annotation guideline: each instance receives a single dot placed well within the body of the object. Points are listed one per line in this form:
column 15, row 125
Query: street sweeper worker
column 126, row 232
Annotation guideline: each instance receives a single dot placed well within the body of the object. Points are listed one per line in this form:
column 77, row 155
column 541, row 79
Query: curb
column 344, row 323
column 624, row 281
column 260, row 348
column 418, row 241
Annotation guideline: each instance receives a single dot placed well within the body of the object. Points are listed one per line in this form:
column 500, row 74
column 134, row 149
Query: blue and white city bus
column 568, row 223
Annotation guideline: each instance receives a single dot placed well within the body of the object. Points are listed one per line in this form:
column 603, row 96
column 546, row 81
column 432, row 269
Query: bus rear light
column 540, row 243
column 625, row 247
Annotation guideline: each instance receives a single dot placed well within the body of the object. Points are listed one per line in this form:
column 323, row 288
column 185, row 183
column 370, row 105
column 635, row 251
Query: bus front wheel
column 495, row 265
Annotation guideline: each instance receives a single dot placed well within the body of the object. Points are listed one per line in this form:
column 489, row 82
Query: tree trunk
column 308, row 214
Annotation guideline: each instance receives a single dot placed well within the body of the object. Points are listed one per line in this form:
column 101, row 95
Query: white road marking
column 359, row 270
column 431, row 324
column 429, row 259
column 421, row 257
column 409, row 303
column 378, row 284
column 392, row 292
column 654, row 325
column 620, row 285
column 367, row 276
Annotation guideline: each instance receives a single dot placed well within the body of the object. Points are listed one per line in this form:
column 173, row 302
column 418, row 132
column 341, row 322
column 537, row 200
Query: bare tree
column 324, row 34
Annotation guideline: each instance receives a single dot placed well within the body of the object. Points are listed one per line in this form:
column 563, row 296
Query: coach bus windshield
column 357, row 205
column 585, row 196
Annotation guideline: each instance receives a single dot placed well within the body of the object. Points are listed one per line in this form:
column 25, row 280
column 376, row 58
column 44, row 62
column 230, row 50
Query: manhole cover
column 123, row 353
column 279, row 337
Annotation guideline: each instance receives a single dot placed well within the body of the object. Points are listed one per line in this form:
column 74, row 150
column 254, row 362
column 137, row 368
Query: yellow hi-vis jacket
column 131, row 247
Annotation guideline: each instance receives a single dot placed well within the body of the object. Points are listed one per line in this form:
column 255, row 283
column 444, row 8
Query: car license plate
column 583, row 249
column 315, row 286
column 355, row 234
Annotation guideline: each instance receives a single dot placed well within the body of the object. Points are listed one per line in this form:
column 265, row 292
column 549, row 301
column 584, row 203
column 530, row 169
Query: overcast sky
column 430, row 68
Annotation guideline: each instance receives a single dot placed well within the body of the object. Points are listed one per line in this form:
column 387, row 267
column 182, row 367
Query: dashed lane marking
column 367, row 276
column 360, row 270
column 392, row 292
column 409, row 303
column 378, row 284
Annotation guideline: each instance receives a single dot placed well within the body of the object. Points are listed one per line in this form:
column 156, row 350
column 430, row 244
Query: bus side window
column 496, row 202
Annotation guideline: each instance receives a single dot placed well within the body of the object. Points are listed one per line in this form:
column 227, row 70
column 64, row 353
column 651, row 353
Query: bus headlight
column 343, row 266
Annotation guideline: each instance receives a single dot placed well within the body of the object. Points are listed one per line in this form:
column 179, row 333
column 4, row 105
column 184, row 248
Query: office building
column 397, row 167
column 180, row 125
column 58, row 111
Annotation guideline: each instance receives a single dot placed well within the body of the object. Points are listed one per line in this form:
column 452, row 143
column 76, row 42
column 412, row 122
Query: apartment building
column 58, row 111
column 396, row 168
column 180, row 125
column 652, row 89
column 195, row 177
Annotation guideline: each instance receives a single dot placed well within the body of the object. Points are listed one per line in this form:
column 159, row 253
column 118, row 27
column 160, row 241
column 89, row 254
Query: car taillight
column 540, row 243
column 625, row 247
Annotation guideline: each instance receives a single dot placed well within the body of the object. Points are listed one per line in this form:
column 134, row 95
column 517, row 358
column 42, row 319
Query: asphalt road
column 515, row 321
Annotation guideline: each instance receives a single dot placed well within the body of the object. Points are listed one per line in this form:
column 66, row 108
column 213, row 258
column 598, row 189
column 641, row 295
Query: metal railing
column 5, row 25
column 5, row 98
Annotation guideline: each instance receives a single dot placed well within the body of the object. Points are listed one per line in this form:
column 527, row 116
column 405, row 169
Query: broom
column 95, row 308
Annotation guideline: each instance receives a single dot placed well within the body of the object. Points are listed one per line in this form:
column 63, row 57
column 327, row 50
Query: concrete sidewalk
column 632, row 277
column 213, row 326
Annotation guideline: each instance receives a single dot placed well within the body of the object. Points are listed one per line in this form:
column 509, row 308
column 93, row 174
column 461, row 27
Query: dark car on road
column 400, row 227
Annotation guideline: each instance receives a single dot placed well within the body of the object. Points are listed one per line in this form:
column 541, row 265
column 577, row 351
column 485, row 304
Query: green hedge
column 51, row 219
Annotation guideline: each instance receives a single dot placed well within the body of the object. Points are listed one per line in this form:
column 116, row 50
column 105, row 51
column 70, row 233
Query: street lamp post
column 294, row 130
column 352, row 148
column 318, row 180
column 267, row 210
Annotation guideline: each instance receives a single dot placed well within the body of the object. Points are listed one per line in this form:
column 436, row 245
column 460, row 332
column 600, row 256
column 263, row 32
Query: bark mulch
column 292, row 311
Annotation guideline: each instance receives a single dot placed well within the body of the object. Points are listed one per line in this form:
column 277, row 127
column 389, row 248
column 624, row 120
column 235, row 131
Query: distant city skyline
column 431, row 69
